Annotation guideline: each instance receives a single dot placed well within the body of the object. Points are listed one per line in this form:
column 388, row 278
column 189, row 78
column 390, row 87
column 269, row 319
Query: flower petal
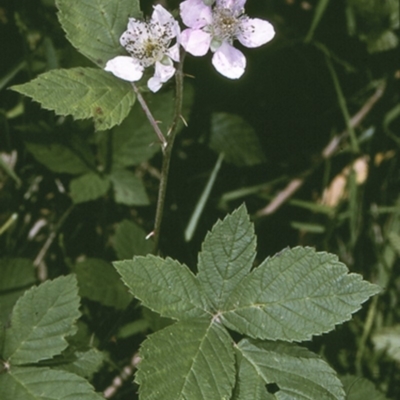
column 162, row 74
column 136, row 27
column 125, row 68
column 164, row 17
column 154, row 84
column 173, row 52
column 255, row 32
column 229, row 61
column 195, row 41
column 195, row 14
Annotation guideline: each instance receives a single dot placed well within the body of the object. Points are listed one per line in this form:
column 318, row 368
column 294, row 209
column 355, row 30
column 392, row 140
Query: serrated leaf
column 226, row 257
column 298, row 373
column 128, row 188
column 44, row 384
column 83, row 93
column 88, row 187
column 58, row 158
column 296, row 294
column 130, row 240
column 98, row 281
column 40, row 321
column 85, row 363
column 188, row 360
column 163, row 285
column 233, row 136
column 358, row 388
column 95, row 26
column 16, row 275
column 135, row 141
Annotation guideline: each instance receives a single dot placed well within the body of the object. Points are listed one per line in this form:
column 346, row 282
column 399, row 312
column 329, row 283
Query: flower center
column 226, row 23
column 148, row 42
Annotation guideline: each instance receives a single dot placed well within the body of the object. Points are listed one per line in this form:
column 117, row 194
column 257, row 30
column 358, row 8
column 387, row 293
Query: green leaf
column 130, row 240
column 163, row 285
column 41, row 320
column 83, row 93
column 226, row 256
column 58, row 158
column 135, row 141
column 95, row 26
column 233, row 136
column 99, row 281
column 128, row 188
column 298, row 373
column 88, row 187
column 44, row 384
column 188, row 360
column 294, row 295
column 16, row 275
column 358, row 388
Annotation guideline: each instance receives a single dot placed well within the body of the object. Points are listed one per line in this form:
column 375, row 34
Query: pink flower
column 216, row 27
column 148, row 44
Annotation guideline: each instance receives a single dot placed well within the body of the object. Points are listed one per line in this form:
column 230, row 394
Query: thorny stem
column 168, row 152
column 166, row 145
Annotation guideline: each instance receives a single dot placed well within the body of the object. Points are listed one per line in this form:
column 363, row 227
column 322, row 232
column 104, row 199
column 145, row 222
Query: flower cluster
column 212, row 25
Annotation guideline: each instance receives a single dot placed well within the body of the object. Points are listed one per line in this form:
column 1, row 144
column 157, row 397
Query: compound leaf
column 163, row 285
column 296, row 294
column 296, row 372
column 226, row 256
column 188, row 360
column 44, row 384
column 88, row 187
column 95, row 26
column 40, row 321
column 83, row 93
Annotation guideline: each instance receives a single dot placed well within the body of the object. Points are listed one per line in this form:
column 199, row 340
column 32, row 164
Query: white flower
column 148, row 43
column 217, row 27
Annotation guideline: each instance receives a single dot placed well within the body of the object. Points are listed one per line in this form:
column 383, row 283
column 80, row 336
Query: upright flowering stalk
column 148, row 43
column 216, row 27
